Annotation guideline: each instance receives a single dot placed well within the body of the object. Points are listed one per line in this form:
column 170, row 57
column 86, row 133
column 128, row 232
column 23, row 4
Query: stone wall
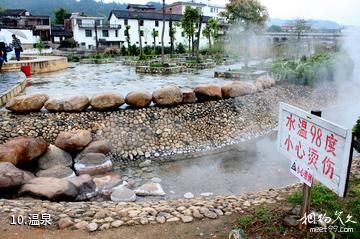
column 160, row 70
column 39, row 64
column 157, row 132
column 15, row 90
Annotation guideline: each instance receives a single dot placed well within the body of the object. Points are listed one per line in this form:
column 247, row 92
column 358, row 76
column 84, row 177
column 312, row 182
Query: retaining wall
column 14, row 91
column 41, row 64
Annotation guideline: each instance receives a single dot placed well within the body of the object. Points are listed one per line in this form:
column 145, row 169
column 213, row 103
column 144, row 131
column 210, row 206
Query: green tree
column 246, row 13
column 40, row 46
column 211, row 30
column 127, row 34
column 154, row 34
column 140, row 32
column 163, row 33
column 274, row 28
column 60, row 15
column 251, row 16
column 189, row 20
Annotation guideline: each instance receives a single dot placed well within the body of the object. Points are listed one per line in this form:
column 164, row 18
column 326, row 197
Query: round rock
column 27, row 103
column 168, row 96
column 107, row 101
column 70, row 104
column 139, row 99
column 123, row 194
column 73, row 140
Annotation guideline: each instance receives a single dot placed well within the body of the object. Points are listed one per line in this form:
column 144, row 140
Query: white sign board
column 316, row 146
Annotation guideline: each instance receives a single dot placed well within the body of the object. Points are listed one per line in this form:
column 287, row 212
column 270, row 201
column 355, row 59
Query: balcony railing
column 111, row 26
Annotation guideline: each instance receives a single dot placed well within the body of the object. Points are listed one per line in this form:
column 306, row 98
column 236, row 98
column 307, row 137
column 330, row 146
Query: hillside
column 316, row 24
column 47, row 7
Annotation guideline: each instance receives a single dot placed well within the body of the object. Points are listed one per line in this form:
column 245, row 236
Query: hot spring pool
column 91, row 79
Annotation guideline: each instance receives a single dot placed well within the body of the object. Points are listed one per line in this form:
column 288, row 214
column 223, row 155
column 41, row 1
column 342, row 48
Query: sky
column 345, row 12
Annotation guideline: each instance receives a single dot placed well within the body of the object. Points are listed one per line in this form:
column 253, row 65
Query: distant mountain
column 316, row 24
column 48, row 7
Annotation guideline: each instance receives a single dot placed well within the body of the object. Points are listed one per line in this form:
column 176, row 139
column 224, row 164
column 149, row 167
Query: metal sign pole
column 305, row 204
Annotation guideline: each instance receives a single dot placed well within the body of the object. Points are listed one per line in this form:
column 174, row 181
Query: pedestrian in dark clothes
column 16, row 43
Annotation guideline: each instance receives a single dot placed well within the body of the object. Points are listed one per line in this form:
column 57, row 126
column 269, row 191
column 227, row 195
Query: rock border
column 14, row 91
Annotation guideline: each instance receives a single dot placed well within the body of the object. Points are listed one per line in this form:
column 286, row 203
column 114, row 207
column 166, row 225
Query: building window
column 97, row 22
column 83, row 44
column 105, row 33
column 125, row 22
column 116, row 33
column 182, row 34
column 88, row 33
column 156, row 23
column 211, row 9
column 141, row 22
column 46, row 22
column 142, row 33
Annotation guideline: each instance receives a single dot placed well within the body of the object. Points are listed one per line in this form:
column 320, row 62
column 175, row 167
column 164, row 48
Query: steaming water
column 91, row 79
column 247, row 167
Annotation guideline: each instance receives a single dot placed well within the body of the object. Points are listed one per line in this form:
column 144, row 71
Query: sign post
column 318, row 149
column 305, row 204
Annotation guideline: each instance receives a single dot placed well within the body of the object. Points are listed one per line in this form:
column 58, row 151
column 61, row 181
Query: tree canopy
column 190, row 18
column 246, row 13
column 60, row 15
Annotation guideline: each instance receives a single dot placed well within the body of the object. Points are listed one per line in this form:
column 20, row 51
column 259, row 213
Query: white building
column 87, row 29
column 205, row 7
column 150, row 21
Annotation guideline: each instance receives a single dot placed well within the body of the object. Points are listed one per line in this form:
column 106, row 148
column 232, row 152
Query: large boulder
column 99, row 146
column 238, row 89
column 150, row 189
column 70, row 104
column 107, row 101
column 27, row 103
column 50, row 188
column 54, row 156
column 139, row 99
column 265, row 82
column 106, row 182
column 75, row 140
column 167, row 96
column 57, row 171
column 123, row 194
column 85, row 185
column 189, row 96
column 208, row 92
column 11, row 176
column 92, row 164
column 22, row 150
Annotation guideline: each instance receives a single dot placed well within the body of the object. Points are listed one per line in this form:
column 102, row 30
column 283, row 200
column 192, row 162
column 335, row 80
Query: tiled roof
column 12, row 12
column 124, row 14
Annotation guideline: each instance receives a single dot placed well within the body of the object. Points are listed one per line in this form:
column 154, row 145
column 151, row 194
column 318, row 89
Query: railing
column 113, row 26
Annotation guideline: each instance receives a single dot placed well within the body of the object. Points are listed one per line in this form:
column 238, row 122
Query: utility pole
column 162, row 35
column 96, row 38
column 171, row 35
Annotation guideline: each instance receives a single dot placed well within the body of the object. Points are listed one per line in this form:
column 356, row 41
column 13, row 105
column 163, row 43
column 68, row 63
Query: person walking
column 16, row 43
column 2, row 54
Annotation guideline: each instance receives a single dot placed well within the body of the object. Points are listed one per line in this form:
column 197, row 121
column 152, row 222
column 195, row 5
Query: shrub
column 311, row 70
column 180, row 48
column 123, row 51
column 68, row 43
column 356, row 133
